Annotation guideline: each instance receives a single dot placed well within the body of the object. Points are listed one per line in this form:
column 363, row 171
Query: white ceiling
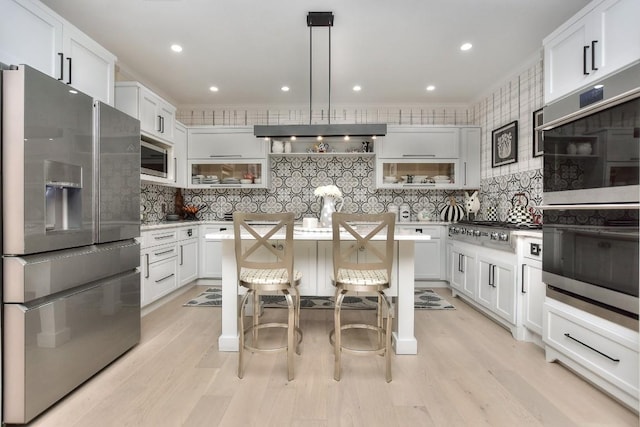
column 250, row 48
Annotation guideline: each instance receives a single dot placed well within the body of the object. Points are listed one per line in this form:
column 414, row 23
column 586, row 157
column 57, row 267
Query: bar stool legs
column 383, row 329
column 292, row 326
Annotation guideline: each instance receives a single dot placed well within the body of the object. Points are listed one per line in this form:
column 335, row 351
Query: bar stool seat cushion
column 362, row 277
column 268, row 276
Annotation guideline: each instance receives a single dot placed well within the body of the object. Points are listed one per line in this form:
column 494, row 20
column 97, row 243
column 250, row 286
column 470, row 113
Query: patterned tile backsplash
column 293, row 180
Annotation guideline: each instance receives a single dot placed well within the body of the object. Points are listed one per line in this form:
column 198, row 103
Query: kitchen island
column 402, row 283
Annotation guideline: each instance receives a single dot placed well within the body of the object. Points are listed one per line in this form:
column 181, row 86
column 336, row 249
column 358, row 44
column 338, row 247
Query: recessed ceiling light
column 213, row 89
column 431, row 87
column 285, row 88
column 176, row 48
column 466, row 46
column 357, row 88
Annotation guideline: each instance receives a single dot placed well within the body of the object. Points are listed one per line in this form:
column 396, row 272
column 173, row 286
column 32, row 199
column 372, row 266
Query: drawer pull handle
column 163, row 252
column 168, row 236
column 165, row 278
column 591, row 348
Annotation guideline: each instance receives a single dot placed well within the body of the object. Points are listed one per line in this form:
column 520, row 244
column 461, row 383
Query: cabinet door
column 427, row 260
column 304, row 260
column 420, row 141
column 470, row 158
column 620, row 34
column 180, row 156
column 497, row 287
column 188, row 261
column 30, row 35
column 567, row 64
column 226, row 143
column 462, row 266
column 88, row 66
column 149, row 117
column 533, row 291
column 168, row 116
column 210, row 265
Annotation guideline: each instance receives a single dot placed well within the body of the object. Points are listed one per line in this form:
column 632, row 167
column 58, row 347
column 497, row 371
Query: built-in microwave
column 154, row 159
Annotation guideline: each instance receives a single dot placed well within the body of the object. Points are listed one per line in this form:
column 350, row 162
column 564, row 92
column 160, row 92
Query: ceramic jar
column 277, row 146
column 287, row 146
column 584, row 148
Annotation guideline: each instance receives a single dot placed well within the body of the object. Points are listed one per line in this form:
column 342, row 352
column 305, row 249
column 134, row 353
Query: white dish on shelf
column 246, row 181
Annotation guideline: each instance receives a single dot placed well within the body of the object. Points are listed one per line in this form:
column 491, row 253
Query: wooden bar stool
column 265, row 267
column 368, row 276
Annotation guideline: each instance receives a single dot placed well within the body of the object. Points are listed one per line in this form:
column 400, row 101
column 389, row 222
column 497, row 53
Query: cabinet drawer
column 599, row 349
column 188, row 233
column 159, row 237
column 163, row 252
column 162, row 279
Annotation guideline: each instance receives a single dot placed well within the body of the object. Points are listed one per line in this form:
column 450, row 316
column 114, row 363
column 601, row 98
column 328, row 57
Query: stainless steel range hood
column 325, row 130
column 320, row 19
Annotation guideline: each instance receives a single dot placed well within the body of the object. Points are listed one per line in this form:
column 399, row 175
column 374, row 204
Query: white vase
column 277, row 147
column 329, row 206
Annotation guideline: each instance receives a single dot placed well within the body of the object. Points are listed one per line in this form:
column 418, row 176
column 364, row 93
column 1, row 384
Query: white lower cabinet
column 430, row 262
column 497, row 284
column 487, row 278
column 188, row 254
column 603, row 352
column 159, row 265
column 462, row 267
column 210, row 265
column 532, row 289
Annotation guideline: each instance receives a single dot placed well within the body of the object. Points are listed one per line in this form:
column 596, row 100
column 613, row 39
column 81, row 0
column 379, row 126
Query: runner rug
column 424, row 299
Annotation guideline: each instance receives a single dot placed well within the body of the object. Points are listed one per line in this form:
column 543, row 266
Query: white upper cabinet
column 157, row 116
column 470, row 157
column 32, row 34
column 88, row 66
column 411, row 157
column 602, row 38
column 225, row 143
column 420, row 141
column 180, row 155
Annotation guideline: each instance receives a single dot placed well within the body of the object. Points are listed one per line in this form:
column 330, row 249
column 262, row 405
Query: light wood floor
column 468, row 372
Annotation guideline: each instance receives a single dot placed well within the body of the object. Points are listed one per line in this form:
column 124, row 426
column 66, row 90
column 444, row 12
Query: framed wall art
column 538, row 146
column 504, row 145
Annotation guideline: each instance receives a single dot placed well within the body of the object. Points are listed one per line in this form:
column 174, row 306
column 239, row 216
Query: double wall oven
column 591, row 198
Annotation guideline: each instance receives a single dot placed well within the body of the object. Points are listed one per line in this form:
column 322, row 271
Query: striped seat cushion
column 267, row 276
column 362, row 277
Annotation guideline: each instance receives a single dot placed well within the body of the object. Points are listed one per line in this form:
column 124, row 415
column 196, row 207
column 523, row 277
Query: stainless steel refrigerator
column 70, row 213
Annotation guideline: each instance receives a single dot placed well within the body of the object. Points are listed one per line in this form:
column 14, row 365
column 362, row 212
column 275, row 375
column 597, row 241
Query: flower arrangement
column 328, row 190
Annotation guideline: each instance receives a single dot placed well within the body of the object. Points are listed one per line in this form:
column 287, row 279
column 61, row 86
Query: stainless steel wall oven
column 591, row 198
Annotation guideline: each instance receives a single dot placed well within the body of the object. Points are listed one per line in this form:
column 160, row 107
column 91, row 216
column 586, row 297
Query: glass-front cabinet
column 417, row 173
column 249, row 174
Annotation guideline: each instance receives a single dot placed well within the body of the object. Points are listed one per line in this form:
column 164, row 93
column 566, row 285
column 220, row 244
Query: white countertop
column 171, row 224
column 302, row 234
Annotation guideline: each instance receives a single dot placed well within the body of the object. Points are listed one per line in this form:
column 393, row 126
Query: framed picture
column 538, row 146
column 504, row 145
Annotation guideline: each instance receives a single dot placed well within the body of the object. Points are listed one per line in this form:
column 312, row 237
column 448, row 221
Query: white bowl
column 441, row 178
column 245, row 181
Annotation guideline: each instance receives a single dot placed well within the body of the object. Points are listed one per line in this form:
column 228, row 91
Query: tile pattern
column 500, row 190
column 293, row 180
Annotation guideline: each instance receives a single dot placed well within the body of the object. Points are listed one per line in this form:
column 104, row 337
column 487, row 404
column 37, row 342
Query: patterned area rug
column 424, row 299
